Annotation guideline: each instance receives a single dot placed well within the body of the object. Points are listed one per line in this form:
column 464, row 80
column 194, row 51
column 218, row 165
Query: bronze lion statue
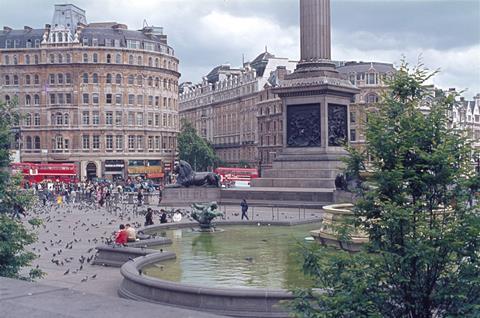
column 186, row 177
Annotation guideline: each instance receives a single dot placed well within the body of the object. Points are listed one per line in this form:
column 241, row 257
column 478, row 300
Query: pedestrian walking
column 244, row 206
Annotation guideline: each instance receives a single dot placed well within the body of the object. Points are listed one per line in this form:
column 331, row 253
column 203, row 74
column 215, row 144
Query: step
column 279, row 194
column 299, row 173
column 327, row 183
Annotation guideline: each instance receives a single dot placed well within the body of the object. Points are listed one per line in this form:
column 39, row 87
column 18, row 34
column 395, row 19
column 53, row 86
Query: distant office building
column 96, row 94
column 224, row 106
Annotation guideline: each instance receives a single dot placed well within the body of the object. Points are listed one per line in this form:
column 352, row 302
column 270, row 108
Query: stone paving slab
column 20, row 299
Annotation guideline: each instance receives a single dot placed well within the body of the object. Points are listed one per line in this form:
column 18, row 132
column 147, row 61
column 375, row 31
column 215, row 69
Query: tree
column 194, row 149
column 14, row 236
column 423, row 257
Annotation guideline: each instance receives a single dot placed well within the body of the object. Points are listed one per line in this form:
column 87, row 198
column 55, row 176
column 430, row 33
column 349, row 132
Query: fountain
column 204, row 215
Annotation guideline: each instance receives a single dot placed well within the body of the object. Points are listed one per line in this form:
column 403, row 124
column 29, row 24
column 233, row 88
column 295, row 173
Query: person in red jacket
column 122, row 235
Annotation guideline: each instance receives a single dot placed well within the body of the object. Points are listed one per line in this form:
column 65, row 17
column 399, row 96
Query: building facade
column 95, row 94
column 224, row 110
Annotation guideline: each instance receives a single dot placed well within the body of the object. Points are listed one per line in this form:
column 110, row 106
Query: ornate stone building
column 224, row 107
column 95, row 94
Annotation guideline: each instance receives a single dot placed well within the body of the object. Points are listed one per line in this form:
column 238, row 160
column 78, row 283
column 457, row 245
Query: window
column 118, row 99
column 150, row 119
column 139, row 60
column 7, row 80
column 157, row 100
column 130, row 59
column 86, row 118
column 52, row 99
column 35, row 59
column 150, row 142
column 15, row 79
column 109, row 58
column 353, row 117
column 61, row 99
column 85, row 58
column 157, row 63
column 29, row 142
column 372, row 98
column 140, row 142
column 108, row 98
column 139, row 119
column 68, row 78
column 28, row 100
column 6, row 59
column 95, row 58
column 118, row 58
column 353, row 135
column 68, row 58
column 96, row 142
column 108, row 79
column 86, row 142
column 51, row 79
column 27, row 80
column 157, row 82
column 116, row 43
column 60, row 58
column 95, row 98
column 157, row 120
column 108, row 42
column 149, row 46
column 66, row 119
column 119, row 142
column 139, row 80
column 37, row 142
column 131, row 142
column 131, row 119
column 150, row 81
column 85, row 78
column 157, row 142
column 28, row 120
column 95, row 118
column 118, row 79
column 27, row 59
column 109, row 142
column 36, row 120
column 58, row 142
column 109, row 118
column 118, row 118
column 133, row 44
column 371, row 78
column 139, row 100
column 131, row 99
column 150, row 61
column 52, row 58
column 58, row 119
column 36, row 99
column 150, row 100
column 95, row 78
column 130, row 79
column 85, row 98
column 67, row 145
column 68, row 98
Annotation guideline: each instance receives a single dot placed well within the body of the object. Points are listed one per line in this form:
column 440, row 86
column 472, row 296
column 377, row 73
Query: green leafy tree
column 423, row 223
column 194, row 149
column 14, row 236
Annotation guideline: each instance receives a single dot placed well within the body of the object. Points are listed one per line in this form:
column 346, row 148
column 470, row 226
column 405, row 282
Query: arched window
column 169, row 64
column 95, row 58
column 36, row 142
column 27, row 80
column 130, row 59
column 27, row 59
column 36, row 99
column 85, row 58
column 165, row 83
column 15, row 60
column 36, row 119
column 28, row 120
column 60, row 58
column 118, row 79
column 164, row 63
column 139, row 80
column 156, row 62
column 157, row 82
column 58, row 119
column 7, row 59
column 68, row 58
column 65, row 119
column 109, row 58
column 15, row 79
column 150, row 81
column 150, row 62
column 108, row 79
column 60, row 78
column 118, row 58
column 28, row 100
column 7, row 99
column 35, row 59
column 36, row 80
column 95, row 78
column 139, row 60
column 131, row 79
column 29, row 142
column 7, row 79
column 85, row 78
column 52, row 58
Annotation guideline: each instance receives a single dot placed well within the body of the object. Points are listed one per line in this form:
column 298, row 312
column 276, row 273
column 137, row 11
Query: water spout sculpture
column 204, row 215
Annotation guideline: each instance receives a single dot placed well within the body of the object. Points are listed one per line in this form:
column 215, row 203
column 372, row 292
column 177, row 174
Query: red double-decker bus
column 39, row 172
column 230, row 176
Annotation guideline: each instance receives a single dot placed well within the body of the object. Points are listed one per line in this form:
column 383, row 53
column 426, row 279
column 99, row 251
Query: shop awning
column 155, row 175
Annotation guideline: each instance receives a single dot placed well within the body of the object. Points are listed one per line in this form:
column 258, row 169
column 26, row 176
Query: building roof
column 261, row 61
column 363, row 67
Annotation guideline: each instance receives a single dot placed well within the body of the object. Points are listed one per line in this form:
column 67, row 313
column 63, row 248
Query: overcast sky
column 206, row 33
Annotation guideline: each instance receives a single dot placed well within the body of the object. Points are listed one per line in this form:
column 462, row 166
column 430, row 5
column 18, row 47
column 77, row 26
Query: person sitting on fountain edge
column 149, row 217
column 131, row 234
column 122, row 236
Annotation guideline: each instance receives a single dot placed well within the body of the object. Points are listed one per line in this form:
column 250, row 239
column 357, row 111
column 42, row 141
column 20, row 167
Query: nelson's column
column 316, row 102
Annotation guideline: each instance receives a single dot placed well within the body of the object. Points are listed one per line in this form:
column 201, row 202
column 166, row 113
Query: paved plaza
column 68, row 236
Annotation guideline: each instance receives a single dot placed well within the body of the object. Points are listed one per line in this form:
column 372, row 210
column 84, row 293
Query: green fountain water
column 239, row 257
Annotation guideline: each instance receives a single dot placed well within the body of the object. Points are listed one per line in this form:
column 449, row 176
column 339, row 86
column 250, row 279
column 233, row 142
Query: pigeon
column 84, row 279
column 66, row 272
